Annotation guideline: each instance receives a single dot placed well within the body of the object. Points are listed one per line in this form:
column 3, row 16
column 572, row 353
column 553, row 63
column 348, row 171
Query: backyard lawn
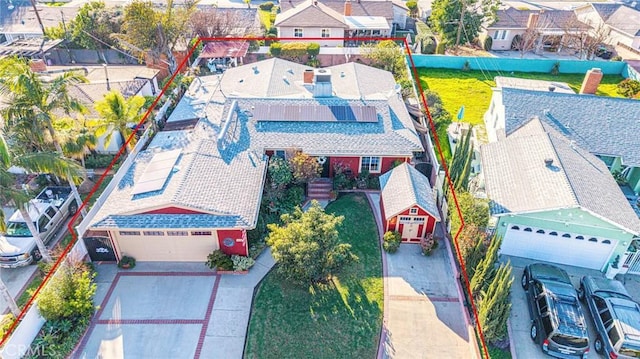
column 473, row 90
column 341, row 319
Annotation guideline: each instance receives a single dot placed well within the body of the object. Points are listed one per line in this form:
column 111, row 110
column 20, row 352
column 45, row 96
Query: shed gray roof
column 223, row 182
column 518, row 180
column 22, row 19
column 88, row 93
column 602, row 125
column 605, row 9
column 404, row 187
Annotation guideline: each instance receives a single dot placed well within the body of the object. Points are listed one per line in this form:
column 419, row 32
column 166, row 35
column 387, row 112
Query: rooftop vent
column 548, row 162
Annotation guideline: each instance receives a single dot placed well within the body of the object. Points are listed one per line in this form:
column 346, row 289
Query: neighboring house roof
column 512, row 18
column 29, row 47
column 22, row 19
column 518, row 180
column 358, row 8
column 625, row 19
column 604, row 10
column 225, row 184
column 87, row 94
column 310, row 14
column 404, row 187
column 602, row 125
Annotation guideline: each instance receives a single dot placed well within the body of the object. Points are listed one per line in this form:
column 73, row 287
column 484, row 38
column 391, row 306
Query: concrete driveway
column 171, row 310
column 522, row 346
column 424, row 316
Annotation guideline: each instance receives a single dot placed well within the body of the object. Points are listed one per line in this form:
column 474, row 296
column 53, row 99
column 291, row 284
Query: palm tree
column 40, row 162
column 76, row 137
column 32, row 103
column 118, row 114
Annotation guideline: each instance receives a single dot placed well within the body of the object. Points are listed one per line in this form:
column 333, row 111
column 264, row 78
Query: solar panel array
column 157, row 172
column 315, row 113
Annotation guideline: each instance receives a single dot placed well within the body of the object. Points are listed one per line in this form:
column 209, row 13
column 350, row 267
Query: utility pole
column 460, row 23
column 35, row 9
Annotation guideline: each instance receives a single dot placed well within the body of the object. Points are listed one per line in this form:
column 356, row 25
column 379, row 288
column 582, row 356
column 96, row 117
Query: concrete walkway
column 171, row 310
column 423, row 312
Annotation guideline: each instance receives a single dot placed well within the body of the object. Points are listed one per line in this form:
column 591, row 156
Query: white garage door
column 160, row 246
column 557, row 247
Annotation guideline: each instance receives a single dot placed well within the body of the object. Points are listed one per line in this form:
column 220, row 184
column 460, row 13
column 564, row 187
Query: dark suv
column 558, row 324
column 615, row 315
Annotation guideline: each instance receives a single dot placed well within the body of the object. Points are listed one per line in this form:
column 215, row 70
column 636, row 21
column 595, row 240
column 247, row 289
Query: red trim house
column 408, row 204
column 198, row 185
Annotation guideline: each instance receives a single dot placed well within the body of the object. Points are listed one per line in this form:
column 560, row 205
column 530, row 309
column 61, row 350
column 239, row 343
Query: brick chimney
column 347, row 8
column 307, row 76
column 591, row 81
column 533, row 20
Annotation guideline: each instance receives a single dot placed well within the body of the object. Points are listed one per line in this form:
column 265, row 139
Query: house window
column 592, row 239
column 499, row 34
column 580, row 237
column 608, row 160
column 413, row 211
column 228, row 242
column 540, row 231
column 129, row 233
column 528, row 229
column 566, row 235
column 553, row 233
column 371, row 164
column 606, row 241
column 325, row 33
column 177, row 233
column 297, row 32
column 515, row 228
column 375, row 32
column 153, row 233
column 200, row 233
column 280, row 153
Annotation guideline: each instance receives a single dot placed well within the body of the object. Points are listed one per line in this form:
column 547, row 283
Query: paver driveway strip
column 171, row 314
column 423, row 317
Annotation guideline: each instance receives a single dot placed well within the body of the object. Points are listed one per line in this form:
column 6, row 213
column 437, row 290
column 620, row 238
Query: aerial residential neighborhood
column 319, row 178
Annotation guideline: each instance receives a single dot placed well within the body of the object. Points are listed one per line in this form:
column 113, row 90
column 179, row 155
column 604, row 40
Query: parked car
column 603, row 53
column 48, row 211
column 557, row 322
column 615, row 315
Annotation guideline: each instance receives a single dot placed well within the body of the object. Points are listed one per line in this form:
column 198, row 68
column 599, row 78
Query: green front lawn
column 341, row 319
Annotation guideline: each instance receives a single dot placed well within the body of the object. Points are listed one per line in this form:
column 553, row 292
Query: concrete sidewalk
column 423, row 312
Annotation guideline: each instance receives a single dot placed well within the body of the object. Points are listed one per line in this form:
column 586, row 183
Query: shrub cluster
column 391, row 241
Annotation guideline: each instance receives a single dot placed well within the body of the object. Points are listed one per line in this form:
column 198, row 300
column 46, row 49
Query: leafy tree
column 413, row 8
column 39, row 162
column 77, row 139
column 472, row 247
column 32, row 104
column 628, row 88
column 117, row 114
column 221, row 23
column 95, row 21
column 494, row 305
column 307, row 246
column 386, row 55
column 69, row 295
column 439, row 114
column 304, row 167
column 147, row 28
column 279, row 171
column 459, row 21
column 485, row 270
column 475, row 211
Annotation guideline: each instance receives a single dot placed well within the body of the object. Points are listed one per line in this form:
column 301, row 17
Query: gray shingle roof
column 602, row 125
column 404, row 187
column 222, row 176
column 514, row 169
column 605, row 9
column 625, row 19
column 358, row 8
column 224, row 182
column 512, row 18
column 308, row 14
